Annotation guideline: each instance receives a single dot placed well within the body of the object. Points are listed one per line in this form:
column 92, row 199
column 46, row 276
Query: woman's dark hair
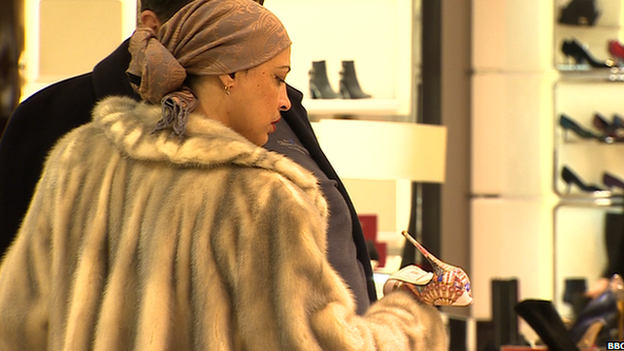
column 164, row 9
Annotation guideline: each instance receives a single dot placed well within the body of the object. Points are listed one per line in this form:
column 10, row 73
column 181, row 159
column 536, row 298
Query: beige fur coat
column 138, row 241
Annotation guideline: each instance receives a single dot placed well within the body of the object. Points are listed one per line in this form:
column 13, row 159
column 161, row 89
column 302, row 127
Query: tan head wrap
column 206, row 37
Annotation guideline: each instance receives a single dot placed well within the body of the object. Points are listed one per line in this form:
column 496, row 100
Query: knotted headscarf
column 206, row 37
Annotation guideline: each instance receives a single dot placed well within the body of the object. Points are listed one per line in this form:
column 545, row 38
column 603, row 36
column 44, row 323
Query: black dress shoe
column 574, row 49
column 545, row 320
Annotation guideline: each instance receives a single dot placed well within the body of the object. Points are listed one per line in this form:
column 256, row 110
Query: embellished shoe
column 447, row 285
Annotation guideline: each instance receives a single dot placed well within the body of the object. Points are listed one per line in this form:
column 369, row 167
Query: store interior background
column 484, row 69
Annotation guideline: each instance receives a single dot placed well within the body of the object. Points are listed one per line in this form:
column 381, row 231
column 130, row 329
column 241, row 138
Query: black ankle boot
column 349, row 85
column 579, row 13
column 319, row 83
column 545, row 320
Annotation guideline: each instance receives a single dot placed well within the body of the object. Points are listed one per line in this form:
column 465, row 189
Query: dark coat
column 66, row 105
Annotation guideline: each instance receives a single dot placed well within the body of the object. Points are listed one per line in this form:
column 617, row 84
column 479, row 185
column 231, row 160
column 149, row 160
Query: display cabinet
column 380, row 36
column 589, row 149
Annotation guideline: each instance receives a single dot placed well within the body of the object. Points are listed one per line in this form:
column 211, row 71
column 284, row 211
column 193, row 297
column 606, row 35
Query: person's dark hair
column 164, row 9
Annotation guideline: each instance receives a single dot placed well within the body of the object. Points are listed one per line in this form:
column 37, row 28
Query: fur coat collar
column 207, row 144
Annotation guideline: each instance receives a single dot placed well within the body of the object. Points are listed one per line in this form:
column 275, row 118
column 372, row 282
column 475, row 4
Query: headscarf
column 206, row 37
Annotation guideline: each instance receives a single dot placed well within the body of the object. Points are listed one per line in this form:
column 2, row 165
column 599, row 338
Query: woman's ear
column 227, row 79
column 150, row 19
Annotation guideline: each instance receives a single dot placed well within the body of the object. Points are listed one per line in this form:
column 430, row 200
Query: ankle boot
column 349, row 85
column 319, row 83
column 545, row 320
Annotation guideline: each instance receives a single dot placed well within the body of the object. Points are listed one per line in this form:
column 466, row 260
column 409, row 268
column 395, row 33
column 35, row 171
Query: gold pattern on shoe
column 447, row 285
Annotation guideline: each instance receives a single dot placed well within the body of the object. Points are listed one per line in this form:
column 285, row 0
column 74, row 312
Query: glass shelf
column 570, row 27
column 342, row 107
column 586, row 72
column 596, row 199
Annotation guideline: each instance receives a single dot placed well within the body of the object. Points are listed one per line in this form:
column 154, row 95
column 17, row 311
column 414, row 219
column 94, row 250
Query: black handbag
column 579, row 13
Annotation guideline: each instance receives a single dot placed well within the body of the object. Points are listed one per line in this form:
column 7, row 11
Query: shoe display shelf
column 582, row 47
column 380, row 37
column 588, row 158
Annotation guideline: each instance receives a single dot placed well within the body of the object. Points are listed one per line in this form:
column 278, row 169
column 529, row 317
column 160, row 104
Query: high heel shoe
column 568, row 123
column 573, row 49
column 349, row 85
column 579, row 13
column 611, row 133
column 588, row 339
column 616, row 50
column 319, row 83
column 618, row 121
column 542, row 316
column 612, row 181
column 570, row 178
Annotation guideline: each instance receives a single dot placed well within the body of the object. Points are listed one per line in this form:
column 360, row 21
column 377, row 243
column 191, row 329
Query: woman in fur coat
column 143, row 238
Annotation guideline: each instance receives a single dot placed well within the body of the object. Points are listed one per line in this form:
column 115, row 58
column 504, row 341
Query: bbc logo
column 615, row 345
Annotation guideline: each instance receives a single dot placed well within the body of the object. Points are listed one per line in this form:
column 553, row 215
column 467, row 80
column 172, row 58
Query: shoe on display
column 542, row 316
column 569, row 177
column 568, row 123
column 319, row 83
column 572, row 48
column 349, row 85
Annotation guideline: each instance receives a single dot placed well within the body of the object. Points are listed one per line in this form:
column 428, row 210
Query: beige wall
column 511, row 148
column 69, row 37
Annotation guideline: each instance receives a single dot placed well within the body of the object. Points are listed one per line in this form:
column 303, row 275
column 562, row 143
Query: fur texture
column 138, row 241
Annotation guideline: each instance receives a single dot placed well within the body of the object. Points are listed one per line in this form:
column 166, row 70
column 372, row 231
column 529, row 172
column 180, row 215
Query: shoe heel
column 344, row 92
column 319, row 83
column 588, row 340
column 314, row 91
column 349, row 82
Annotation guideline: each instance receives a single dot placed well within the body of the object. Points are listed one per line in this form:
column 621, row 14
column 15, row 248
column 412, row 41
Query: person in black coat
column 38, row 122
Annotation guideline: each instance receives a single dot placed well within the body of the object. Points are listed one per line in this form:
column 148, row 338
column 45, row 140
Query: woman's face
column 258, row 95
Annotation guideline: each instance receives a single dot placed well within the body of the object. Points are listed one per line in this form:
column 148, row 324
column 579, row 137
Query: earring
column 227, row 90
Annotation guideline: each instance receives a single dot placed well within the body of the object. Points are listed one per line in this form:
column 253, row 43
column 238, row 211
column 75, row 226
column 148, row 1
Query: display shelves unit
column 594, row 39
column 378, row 35
column 582, row 93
